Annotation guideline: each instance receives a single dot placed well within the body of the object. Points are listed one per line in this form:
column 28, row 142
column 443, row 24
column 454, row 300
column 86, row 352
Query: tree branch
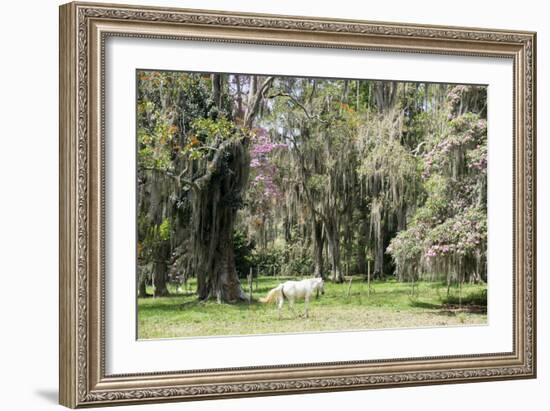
column 213, row 165
column 417, row 149
column 178, row 177
column 254, row 105
column 295, row 101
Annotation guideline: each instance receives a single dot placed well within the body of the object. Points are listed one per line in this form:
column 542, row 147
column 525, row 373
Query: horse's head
column 321, row 285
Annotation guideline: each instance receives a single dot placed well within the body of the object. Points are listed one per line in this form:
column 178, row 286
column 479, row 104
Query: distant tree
column 319, row 127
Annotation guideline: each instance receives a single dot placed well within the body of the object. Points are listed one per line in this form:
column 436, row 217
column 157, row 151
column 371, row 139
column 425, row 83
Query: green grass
column 390, row 304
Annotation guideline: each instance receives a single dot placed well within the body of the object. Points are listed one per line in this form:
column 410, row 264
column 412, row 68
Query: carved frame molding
column 83, row 30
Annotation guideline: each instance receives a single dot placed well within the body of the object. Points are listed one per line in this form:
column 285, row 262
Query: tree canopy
column 308, row 176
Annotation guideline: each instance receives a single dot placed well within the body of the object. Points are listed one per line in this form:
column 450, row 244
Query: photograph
column 269, row 204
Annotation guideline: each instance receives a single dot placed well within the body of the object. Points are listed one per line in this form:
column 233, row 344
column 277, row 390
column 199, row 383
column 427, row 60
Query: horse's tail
column 273, row 294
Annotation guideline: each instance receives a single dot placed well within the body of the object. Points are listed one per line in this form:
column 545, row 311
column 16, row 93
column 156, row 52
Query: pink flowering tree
column 447, row 236
column 264, row 189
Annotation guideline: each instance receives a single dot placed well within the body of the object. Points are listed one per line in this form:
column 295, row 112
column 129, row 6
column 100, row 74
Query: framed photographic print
column 259, row 204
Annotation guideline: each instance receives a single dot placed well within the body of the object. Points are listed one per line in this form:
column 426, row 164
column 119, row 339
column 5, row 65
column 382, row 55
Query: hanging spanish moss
column 390, row 176
column 216, row 199
column 245, row 175
column 448, row 235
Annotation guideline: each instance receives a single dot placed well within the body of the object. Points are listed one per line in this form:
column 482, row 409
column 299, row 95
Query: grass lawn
column 389, row 305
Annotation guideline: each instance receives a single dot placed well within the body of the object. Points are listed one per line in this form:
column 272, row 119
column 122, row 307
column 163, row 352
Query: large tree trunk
column 160, row 270
column 333, row 237
column 142, row 283
column 318, row 241
column 385, row 94
column 377, row 229
column 287, row 225
column 217, row 90
column 362, row 243
column 379, row 260
column 221, row 281
column 217, row 197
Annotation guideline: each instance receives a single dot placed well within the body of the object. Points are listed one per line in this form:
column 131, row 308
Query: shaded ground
column 389, row 305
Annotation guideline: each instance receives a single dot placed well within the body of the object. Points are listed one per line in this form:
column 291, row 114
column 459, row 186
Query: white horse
column 293, row 290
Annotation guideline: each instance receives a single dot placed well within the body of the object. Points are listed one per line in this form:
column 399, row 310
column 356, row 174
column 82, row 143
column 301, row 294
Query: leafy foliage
column 302, row 176
column 448, row 234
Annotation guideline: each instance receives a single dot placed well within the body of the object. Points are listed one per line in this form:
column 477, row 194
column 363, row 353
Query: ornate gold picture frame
column 84, row 29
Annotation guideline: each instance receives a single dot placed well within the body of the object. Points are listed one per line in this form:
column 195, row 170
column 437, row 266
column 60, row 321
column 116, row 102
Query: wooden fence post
column 368, row 278
column 349, row 287
column 250, row 286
